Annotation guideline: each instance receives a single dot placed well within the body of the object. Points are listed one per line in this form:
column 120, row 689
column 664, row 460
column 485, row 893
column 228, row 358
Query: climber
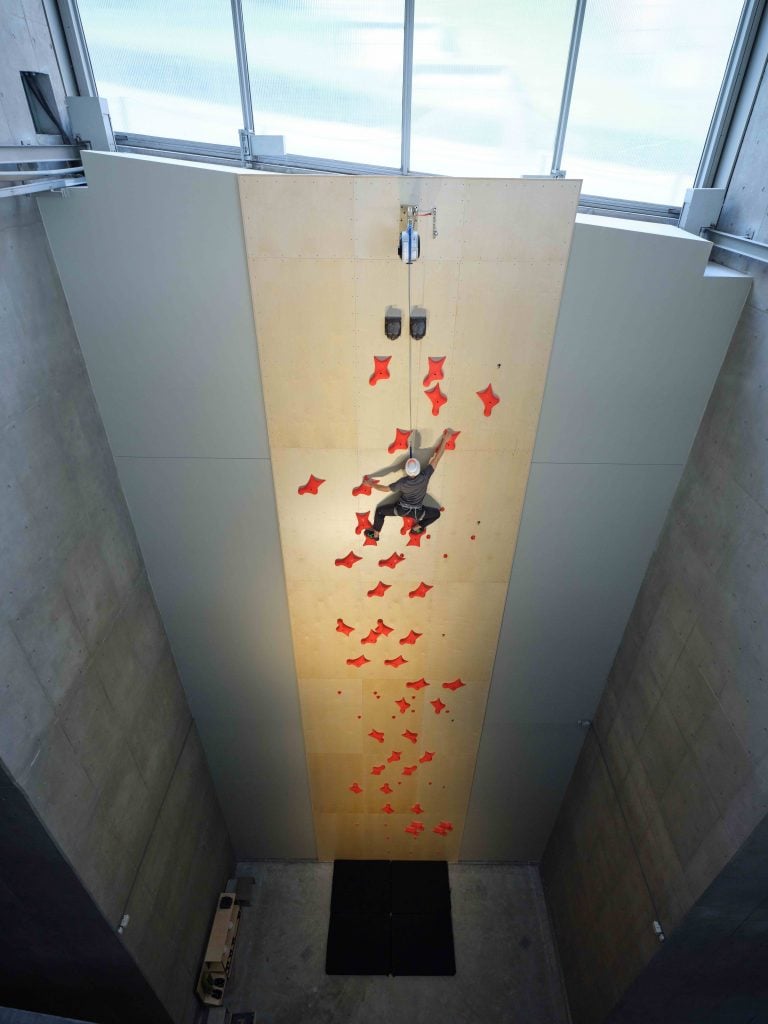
column 413, row 490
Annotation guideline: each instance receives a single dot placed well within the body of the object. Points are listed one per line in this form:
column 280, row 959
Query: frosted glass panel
column 487, row 82
column 327, row 75
column 166, row 67
column 646, row 86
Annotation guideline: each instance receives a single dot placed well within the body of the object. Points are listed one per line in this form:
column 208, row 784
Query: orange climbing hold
column 392, row 562
column 395, row 662
column 437, row 705
column 376, row 735
column 418, row 684
column 394, row 756
column 358, row 662
column 379, row 590
column 435, row 371
column 363, row 522
column 403, row 705
column 411, row 638
column 348, row 560
column 372, row 637
column 455, row 685
column 428, row 755
column 382, row 627
column 342, row 627
column 421, row 591
column 400, row 444
column 380, row 369
column 437, row 398
column 450, row 441
column 355, row 788
column 489, row 400
column 312, row 486
column 412, row 736
column 364, row 487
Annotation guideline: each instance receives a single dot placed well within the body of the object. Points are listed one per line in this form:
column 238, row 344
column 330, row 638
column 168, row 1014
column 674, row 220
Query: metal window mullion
column 407, row 98
column 570, row 75
column 74, row 35
column 243, row 76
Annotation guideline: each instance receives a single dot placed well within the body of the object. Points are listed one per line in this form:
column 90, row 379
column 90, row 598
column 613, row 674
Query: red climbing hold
column 358, row 662
column 411, row 638
column 342, row 627
column 437, row 705
column 489, row 400
column 395, row 662
column 421, row 591
column 348, row 560
column 380, row 369
column 355, row 788
column 379, row 590
column 410, row 769
column 455, row 685
column 447, row 826
column 415, row 828
column 418, row 684
column 364, row 487
column 435, row 371
column 378, row 769
column 408, row 524
column 392, row 562
column 372, row 637
column 412, row 736
column 417, row 809
column 388, row 809
column 386, row 789
column 363, row 522
column 443, row 828
column 403, row 705
column 414, row 541
column 428, row 755
column 437, row 398
column 382, row 627
column 312, row 486
column 400, row 444
column 394, row 756
column 450, row 441
column 376, row 735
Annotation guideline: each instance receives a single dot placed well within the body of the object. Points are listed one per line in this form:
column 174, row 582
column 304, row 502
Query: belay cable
column 410, row 343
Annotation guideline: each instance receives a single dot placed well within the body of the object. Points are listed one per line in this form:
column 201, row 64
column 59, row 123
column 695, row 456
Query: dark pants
column 428, row 514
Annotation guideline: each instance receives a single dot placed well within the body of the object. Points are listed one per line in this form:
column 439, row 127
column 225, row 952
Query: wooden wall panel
column 323, row 269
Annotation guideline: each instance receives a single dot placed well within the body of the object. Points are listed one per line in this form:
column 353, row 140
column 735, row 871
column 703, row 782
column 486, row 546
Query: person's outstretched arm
column 378, row 487
column 437, row 454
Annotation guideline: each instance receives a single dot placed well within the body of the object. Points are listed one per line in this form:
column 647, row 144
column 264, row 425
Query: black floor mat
column 390, row 918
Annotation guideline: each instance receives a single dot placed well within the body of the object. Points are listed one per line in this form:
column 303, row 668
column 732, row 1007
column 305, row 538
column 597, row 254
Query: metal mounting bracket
column 253, row 146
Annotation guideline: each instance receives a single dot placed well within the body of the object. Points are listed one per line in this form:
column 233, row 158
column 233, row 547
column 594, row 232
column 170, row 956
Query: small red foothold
column 348, row 561
column 411, row 638
column 388, row 809
column 412, row 736
column 392, row 562
column 380, row 369
column 472, row 537
column 358, row 662
column 312, row 486
column 382, row 627
column 394, row 756
column 437, row 398
column 386, row 788
column 403, row 705
column 372, row 637
column 379, row 590
column 450, row 442
column 410, row 769
column 408, row 524
column 363, row 522
column 455, row 685
column 418, row 684
column 342, row 627
column 400, row 444
column 364, row 487
column 395, row 662
column 417, row 809
column 435, row 371
column 421, row 591
column 376, row 735
column 378, row 769
column 445, row 556
column 489, row 400
column 437, row 705
column 355, row 788
column 428, row 755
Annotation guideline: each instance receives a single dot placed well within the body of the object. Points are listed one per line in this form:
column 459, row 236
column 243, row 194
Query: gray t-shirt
column 413, row 489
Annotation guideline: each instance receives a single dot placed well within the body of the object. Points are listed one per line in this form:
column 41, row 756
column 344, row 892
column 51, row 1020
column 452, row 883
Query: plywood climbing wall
column 395, row 642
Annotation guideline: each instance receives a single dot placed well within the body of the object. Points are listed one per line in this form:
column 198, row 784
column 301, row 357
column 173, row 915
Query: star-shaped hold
column 418, row 684
column 437, row 705
column 378, row 769
column 489, row 400
column 403, row 705
column 363, row 522
column 364, row 487
column 382, row 628
column 380, row 369
column 428, row 755
column 358, row 662
column 395, row 662
column 312, row 486
column 342, row 627
column 421, row 591
column 388, row 809
column 355, row 788
column 412, row 736
column 379, row 590
column 415, row 828
column 450, row 441
column 348, row 561
column 372, row 637
column 455, row 685
column 400, row 444
column 408, row 524
column 392, row 562
column 437, row 398
column 414, row 541
column 394, row 756
column 411, row 638
column 410, row 769
column 376, row 735
column 417, row 809
column 435, row 371
column 386, row 789
column 441, row 830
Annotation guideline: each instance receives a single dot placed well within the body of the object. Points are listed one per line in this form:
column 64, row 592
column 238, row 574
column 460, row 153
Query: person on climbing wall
column 412, row 489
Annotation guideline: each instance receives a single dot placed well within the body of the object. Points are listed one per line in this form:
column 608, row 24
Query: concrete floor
column 506, row 964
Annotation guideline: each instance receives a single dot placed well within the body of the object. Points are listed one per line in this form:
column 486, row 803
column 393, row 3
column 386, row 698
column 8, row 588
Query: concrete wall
column 94, row 726
column 674, row 777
